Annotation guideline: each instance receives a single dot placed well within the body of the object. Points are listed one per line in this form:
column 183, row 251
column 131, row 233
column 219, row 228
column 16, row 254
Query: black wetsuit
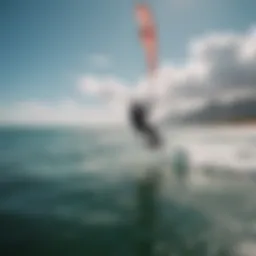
column 138, row 119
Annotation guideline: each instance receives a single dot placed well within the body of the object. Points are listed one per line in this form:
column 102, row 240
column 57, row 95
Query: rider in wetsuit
column 139, row 121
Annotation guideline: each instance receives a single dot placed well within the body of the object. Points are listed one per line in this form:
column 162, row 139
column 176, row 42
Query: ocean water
column 74, row 192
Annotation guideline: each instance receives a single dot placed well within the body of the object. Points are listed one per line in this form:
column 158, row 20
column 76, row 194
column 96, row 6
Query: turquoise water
column 73, row 192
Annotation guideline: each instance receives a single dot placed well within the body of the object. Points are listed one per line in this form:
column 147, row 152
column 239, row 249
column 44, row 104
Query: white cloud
column 221, row 65
column 66, row 112
column 100, row 61
column 230, row 57
column 107, row 87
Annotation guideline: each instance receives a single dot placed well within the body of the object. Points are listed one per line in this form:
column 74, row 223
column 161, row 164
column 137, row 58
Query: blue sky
column 46, row 45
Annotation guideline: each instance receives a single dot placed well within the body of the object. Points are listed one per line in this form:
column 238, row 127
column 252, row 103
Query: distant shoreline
column 236, row 123
column 220, row 124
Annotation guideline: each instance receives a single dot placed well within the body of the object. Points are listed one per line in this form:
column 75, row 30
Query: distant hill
column 243, row 111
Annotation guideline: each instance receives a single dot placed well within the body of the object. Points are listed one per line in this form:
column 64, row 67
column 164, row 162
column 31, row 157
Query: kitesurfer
column 138, row 115
column 139, row 110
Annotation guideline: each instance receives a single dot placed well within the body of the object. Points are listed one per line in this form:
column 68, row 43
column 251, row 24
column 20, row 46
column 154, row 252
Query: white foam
column 247, row 249
column 217, row 146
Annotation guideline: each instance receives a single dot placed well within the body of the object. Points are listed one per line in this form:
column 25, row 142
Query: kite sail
column 147, row 34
